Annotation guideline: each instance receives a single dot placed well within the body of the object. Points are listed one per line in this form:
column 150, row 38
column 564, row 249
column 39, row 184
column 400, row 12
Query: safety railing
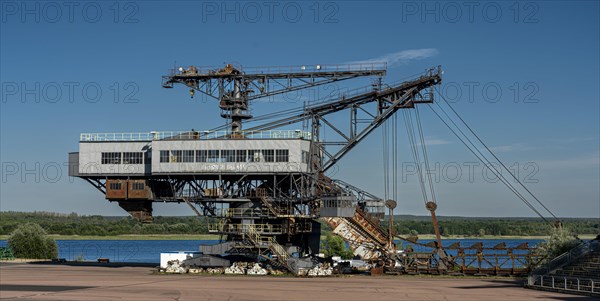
column 568, row 257
column 252, row 235
column 540, row 274
column 367, row 66
column 193, row 135
column 243, row 212
column 211, row 70
column 564, row 283
column 281, row 253
column 244, row 228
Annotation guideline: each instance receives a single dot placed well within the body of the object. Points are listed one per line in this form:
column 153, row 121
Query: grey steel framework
column 271, row 210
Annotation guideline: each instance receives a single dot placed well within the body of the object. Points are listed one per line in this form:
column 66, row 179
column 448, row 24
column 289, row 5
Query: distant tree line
column 471, row 226
column 74, row 224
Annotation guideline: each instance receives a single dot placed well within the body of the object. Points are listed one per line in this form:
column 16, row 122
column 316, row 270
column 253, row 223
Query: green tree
column 335, row 246
column 560, row 241
column 402, row 229
column 180, row 228
column 31, row 241
column 445, row 231
column 136, row 229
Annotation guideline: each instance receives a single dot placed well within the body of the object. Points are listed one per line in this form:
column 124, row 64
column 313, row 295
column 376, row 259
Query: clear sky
column 524, row 75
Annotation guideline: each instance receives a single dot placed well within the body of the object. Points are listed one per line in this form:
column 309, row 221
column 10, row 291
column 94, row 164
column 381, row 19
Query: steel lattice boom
column 234, row 87
column 388, row 100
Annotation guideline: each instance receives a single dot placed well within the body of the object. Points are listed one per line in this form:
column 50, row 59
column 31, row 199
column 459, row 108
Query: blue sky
column 543, row 58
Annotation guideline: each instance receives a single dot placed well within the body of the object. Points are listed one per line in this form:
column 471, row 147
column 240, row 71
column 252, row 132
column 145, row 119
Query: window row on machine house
column 123, row 158
column 224, row 155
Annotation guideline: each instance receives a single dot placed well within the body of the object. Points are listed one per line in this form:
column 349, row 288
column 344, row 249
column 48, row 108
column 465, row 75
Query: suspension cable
column 411, row 138
column 395, row 146
column 498, row 159
column 490, row 166
column 425, row 157
column 385, row 160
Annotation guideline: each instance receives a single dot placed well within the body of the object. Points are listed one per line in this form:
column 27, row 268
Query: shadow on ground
column 496, row 284
column 40, row 288
column 88, row 263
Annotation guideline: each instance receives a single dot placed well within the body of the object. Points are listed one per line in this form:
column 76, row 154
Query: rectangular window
column 305, row 157
column 201, row 155
column 254, row 155
column 111, row 158
column 213, row 156
column 164, row 156
column 240, row 155
column 228, row 155
column 282, row 155
column 115, row 186
column 188, row 156
column 138, row 186
column 176, row 156
column 133, row 158
column 268, row 155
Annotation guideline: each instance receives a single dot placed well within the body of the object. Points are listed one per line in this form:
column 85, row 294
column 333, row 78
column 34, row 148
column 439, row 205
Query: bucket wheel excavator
column 266, row 181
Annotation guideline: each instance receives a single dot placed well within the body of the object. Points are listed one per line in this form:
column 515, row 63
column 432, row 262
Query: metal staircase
column 282, row 257
column 576, row 271
column 267, row 201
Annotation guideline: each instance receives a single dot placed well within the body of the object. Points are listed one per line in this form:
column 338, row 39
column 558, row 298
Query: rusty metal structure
column 476, row 259
column 262, row 180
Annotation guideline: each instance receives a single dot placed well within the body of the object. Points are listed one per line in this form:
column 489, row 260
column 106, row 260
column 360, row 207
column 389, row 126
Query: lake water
column 148, row 251
column 122, row 250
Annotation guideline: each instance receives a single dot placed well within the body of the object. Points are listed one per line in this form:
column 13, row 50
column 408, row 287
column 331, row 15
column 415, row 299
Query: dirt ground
column 67, row 282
